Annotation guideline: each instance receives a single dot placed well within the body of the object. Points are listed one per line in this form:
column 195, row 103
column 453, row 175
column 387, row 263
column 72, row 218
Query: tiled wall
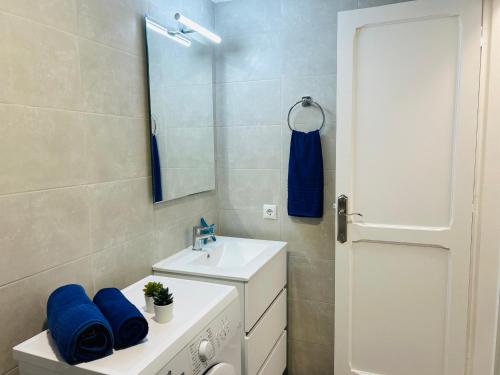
column 75, row 195
column 273, row 53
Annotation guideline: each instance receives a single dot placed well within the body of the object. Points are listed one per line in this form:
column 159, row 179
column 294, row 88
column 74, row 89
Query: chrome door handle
column 342, row 215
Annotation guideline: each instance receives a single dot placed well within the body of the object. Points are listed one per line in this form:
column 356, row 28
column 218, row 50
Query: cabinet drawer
column 275, row 364
column 263, row 288
column 263, row 337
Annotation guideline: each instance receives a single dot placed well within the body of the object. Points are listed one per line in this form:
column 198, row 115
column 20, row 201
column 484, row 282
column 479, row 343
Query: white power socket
column 269, row 211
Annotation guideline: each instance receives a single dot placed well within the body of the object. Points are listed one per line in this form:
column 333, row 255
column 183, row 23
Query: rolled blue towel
column 128, row 324
column 80, row 330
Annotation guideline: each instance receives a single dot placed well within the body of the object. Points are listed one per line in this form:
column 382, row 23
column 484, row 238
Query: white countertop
column 195, row 305
column 186, row 262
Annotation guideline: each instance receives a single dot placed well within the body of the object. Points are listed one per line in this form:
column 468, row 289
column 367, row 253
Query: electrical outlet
column 269, row 211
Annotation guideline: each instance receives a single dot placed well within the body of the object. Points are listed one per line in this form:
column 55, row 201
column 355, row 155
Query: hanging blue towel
column 128, row 324
column 305, row 175
column 156, row 170
column 79, row 329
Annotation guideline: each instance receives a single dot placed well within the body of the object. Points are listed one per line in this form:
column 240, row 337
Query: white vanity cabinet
column 261, row 284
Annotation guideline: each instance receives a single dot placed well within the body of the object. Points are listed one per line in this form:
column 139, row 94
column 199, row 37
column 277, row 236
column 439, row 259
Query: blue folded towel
column 80, row 330
column 305, row 175
column 128, row 324
column 156, row 170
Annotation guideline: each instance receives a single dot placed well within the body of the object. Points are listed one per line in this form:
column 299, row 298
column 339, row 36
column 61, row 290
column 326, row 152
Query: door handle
column 342, row 215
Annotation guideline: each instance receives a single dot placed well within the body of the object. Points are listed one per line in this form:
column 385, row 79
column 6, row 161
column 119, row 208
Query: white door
column 408, row 81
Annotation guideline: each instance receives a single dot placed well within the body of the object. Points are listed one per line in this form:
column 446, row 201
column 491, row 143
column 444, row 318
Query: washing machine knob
column 206, row 350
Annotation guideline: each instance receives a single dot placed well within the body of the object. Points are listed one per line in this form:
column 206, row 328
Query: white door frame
column 484, row 304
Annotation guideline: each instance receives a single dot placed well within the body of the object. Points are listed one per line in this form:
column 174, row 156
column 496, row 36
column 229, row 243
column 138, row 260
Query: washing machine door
column 221, row 369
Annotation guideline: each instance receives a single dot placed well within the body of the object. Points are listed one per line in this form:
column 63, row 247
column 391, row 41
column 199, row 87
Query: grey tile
column 309, row 53
column 168, row 214
column 32, row 153
column 125, row 264
column 180, row 182
column 308, row 15
column 249, row 147
column 113, row 81
column 248, row 103
column 42, row 230
column 250, row 57
column 22, row 315
column 120, row 211
column 374, row 3
column 237, row 17
column 14, row 371
column 248, row 224
column 309, row 237
column 311, row 279
column 311, row 321
column 116, row 23
column 323, row 91
column 306, row 358
column 117, row 147
column 247, row 188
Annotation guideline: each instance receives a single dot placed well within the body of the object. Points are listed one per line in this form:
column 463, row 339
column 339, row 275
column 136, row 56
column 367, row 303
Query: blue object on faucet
column 210, row 230
column 128, row 324
column 80, row 330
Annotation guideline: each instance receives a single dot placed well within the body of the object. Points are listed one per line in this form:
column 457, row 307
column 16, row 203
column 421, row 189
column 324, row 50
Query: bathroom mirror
column 181, row 113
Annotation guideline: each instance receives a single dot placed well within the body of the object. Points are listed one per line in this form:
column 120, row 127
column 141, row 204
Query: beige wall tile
column 117, row 147
column 18, row 72
column 116, row 23
column 120, row 211
column 247, row 188
column 125, row 264
column 113, row 81
column 60, row 14
column 311, row 279
column 14, row 371
column 40, row 149
column 41, row 230
column 248, row 224
column 23, row 304
column 59, row 84
column 311, row 321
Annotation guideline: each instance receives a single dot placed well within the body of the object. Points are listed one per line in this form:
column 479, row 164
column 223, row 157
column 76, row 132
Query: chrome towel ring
column 307, row 101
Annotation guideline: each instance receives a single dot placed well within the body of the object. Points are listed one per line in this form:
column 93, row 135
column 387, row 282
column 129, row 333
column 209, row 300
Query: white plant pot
column 163, row 314
column 149, row 304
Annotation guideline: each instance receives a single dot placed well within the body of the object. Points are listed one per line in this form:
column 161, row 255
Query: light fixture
column 176, row 36
column 193, row 26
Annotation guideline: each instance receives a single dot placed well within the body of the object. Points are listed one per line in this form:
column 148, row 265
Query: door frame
column 483, row 350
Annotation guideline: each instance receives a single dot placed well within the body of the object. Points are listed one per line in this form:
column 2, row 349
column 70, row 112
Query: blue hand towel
column 156, row 170
column 305, row 175
column 79, row 329
column 128, row 324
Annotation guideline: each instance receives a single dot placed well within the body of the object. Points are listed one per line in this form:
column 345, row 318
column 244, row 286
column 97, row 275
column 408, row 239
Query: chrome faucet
column 199, row 237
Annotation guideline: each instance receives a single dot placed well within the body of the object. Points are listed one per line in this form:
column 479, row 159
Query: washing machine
column 203, row 338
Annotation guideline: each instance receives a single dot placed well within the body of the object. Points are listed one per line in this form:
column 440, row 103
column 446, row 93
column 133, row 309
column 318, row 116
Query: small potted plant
column 150, row 289
column 164, row 305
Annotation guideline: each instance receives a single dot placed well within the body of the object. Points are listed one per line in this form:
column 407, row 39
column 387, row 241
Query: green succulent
column 151, row 288
column 163, row 297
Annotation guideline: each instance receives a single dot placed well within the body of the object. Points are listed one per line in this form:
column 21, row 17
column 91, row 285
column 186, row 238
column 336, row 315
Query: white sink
column 227, row 258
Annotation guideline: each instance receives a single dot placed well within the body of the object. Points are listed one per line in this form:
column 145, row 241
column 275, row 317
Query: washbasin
column 227, row 258
column 229, row 254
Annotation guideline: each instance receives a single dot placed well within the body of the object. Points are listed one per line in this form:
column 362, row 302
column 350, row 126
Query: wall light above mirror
column 181, row 110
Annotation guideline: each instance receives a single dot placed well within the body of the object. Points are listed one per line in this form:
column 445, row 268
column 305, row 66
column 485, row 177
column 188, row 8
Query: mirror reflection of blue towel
column 156, row 170
column 79, row 329
column 305, row 175
column 128, row 324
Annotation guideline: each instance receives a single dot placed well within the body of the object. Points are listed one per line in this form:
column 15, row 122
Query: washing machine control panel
column 202, row 352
